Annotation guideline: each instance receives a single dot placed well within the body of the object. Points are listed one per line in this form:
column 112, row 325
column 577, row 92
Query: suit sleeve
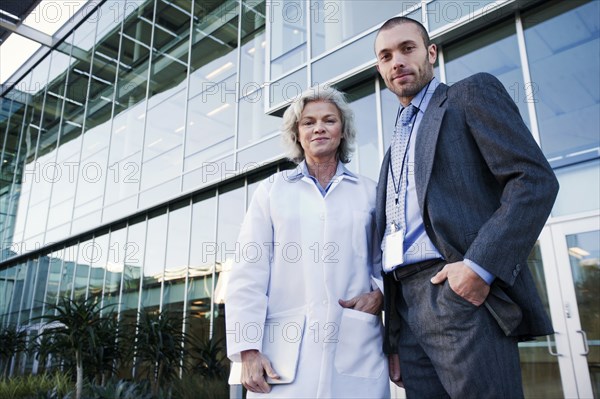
column 246, row 297
column 529, row 186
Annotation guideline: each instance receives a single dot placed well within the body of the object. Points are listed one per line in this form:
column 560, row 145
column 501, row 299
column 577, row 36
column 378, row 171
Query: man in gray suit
column 463, row 194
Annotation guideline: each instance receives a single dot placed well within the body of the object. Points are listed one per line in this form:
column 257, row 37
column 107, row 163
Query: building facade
column 131, row 149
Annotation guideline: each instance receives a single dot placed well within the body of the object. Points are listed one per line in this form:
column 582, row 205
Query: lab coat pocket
column 359, row 349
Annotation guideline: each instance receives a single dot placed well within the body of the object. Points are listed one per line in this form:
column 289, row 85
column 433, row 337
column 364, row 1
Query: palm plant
column 209, row 358
column 14, row 341
column 77, row 333
column 159, row 347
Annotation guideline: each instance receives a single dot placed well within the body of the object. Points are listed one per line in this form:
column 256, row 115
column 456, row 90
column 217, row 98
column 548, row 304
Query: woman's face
column 320, row 131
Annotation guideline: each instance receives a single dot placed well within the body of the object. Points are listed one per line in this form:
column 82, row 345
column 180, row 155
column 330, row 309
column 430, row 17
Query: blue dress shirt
column 417, row 244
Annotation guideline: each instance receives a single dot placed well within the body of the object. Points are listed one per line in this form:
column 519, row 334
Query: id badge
column 393, row 255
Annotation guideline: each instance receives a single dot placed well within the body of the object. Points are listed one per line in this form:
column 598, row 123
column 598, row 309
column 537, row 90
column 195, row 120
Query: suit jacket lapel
column 426, row 143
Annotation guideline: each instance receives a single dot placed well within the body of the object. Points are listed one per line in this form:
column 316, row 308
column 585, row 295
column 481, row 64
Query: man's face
column 403, row 61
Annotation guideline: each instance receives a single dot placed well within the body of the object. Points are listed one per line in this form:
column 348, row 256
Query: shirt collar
column 421, row 100
column 302, row 171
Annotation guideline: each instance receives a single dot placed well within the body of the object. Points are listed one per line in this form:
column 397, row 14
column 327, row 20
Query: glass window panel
column 335, row 21
column 92, row 177
column 254, row 123
column 355, row 54
column 288, row 36
column 134, row 56
column 288, row 88
column 584, row 256
column 176, row 264
column 40, row 286
column 13, row 194
column 366, row 155
column 442, row 12
column 125, row 154
column 215, row 34
column 260, row 154
column 14, row 290
column 109, row 19
column 562, row 47
column 158, row 193
column 202, row 252
column 232, row 207
column 54, row 277
column 164, row 137
column 98, row 258
column 211, row 129
column 64, row 176
column 202, row 262
column 171, row 47
column 133, row 262
column 114, row 267
column 539, row 369
column 579, row 189
column 22, row 288
column 495, row 51
column 252, row 61
column 28, row 290
column 69, row 256
column 82, row 269
column 154, row 260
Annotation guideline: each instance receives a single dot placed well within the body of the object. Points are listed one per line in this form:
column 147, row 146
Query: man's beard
column 412, row 89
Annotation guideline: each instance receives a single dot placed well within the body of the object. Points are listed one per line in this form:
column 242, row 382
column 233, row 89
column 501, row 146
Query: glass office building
column 131, row 148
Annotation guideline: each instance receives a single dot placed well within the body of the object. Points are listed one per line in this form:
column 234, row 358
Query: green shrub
column 56, row 385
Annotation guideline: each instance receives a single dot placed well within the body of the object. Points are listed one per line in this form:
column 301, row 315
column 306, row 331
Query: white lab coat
column 322, row 249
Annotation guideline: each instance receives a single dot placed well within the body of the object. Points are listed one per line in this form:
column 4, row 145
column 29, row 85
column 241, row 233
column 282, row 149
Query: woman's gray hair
column 291, row 117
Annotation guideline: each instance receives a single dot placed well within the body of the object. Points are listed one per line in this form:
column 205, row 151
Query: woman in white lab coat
column 308, row 268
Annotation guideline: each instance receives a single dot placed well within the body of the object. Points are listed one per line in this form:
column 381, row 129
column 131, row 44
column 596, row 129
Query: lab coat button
column 322, row 216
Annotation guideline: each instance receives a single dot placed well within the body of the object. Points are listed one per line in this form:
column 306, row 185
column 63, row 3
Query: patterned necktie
column 399, row 146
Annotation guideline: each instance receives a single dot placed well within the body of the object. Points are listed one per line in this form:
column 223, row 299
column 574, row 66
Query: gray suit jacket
column 485, row 191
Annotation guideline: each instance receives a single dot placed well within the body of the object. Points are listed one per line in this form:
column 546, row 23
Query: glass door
column 571, row 252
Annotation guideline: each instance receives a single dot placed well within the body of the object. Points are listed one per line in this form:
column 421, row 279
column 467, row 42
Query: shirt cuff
column 481, row 272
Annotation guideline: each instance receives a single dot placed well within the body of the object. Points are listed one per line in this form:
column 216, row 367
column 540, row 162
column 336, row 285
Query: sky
column 47, row 17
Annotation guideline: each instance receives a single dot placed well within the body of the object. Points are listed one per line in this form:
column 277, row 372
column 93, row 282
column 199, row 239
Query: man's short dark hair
column 390, row 23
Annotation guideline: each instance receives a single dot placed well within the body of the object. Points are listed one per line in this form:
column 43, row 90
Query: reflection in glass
column 334, row 22
column 495, row 51
column 54, row 277
column 579, row 188
column 28, row 290
column 562, row 47
column 539, row 369
column 176, row 264
column 232, row 208
column 98, row 256
column 154, row 263
column 252, row 57
column 211, row 124
column 40, row 286
column 163, row 140
column 365, row 159
column 584, row 256
column 114, row 268
column 68, row 273
column 134, row 260
column 201, row 265
column 171, row 47
column 14, row 284
column 254, row 122
column 82, row 270
column 288, row 36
